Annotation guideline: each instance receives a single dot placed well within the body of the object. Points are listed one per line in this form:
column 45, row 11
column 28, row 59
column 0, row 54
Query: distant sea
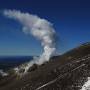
column 8, row 62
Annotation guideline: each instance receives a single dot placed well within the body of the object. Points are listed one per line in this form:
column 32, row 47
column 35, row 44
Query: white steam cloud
column 2, row 73
column 40, row 28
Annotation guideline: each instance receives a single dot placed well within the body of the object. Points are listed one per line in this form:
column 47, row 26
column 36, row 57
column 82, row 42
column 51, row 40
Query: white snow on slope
column 86, row 86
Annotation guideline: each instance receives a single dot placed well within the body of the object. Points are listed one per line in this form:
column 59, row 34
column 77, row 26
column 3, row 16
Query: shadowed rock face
column 67, row 72
column 33, row 68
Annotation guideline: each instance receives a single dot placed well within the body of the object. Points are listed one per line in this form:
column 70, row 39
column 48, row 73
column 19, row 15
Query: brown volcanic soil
column 66, row 72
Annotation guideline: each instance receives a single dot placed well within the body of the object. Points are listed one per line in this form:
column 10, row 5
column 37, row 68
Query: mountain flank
column 65, row 72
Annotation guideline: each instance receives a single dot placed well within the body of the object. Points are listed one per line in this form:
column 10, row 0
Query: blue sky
column 70, row 18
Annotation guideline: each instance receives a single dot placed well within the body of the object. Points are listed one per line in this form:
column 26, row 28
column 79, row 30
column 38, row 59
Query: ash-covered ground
column 66, row 72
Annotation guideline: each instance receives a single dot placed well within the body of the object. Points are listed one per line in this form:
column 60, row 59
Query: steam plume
column 3, row 73
column 40, row 29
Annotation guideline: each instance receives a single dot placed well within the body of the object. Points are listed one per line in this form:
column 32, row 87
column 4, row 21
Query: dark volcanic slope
column 66, row 72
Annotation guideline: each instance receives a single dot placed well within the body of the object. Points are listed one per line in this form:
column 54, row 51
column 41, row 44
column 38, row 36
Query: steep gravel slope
column 66, row 72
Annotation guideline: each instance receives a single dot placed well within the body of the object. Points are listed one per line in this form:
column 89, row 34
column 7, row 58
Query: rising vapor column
column 41, row 29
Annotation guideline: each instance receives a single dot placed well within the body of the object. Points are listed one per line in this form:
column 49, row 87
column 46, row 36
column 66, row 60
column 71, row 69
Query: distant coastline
column 7, row 62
